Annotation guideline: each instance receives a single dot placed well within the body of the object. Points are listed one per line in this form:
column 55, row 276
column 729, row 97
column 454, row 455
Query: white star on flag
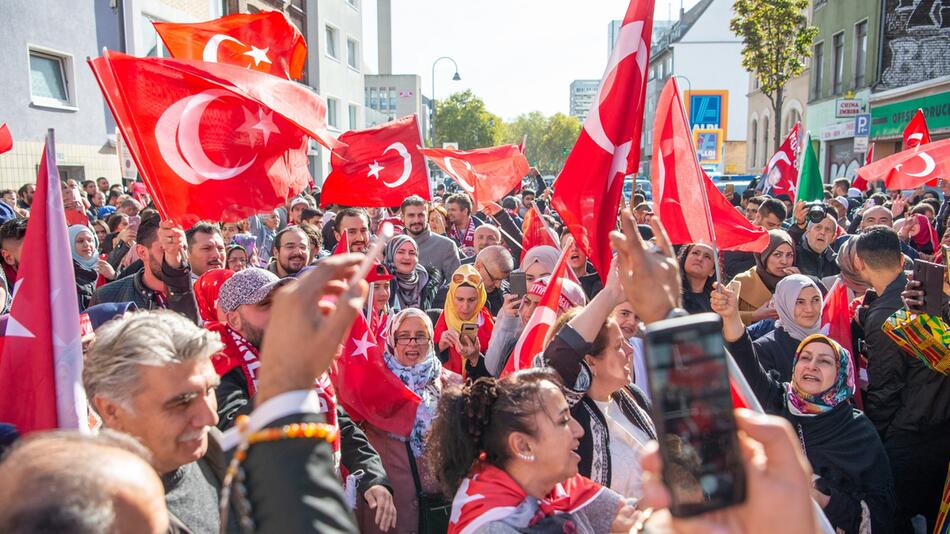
column 362, row 345
column 258, row 54
column 374, row 170
column 263, row 123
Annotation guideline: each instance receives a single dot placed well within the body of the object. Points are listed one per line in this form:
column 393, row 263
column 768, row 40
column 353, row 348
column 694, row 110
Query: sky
column 517, row 55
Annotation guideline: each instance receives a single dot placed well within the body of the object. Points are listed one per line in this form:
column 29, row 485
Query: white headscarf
column 786, row 293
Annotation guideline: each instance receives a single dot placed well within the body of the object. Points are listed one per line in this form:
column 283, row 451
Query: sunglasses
column 474, row 279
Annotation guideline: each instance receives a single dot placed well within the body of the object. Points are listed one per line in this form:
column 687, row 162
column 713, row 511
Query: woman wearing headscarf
column 758, row 283
column 464, row 305
column 207, row 288
column 924, row 238
column 411, row 357
column 539, row 262
column 698, row 271
column 853, row 481
column 90, row 271
column 413, row 286
column 798, row 303
column 848, row 274
column 236, row 258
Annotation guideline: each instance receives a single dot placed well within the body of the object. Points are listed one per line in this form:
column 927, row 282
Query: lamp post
column 455, row 78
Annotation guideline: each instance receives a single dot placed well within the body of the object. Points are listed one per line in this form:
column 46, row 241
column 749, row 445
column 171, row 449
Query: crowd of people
column 206, row 335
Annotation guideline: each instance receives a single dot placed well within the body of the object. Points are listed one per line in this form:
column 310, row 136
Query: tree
column 550, row 139
column 776, row 42
column 462, row 118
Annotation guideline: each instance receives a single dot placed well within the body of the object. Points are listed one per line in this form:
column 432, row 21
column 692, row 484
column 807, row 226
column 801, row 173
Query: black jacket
column 85, row 284
column 841, row 445
column 808, row 261
column 776, row 352
column 735, row 262
column 904, row 395
column 180, row 297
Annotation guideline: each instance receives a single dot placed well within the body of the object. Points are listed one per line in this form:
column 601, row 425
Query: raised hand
column 650, row 275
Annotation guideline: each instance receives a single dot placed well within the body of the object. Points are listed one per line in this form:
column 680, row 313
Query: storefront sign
column 708, row 145
column 862, row 125
column 839, row 130
column 848, row 107
column 889, row 120
column 861, row 144
column 708, row 110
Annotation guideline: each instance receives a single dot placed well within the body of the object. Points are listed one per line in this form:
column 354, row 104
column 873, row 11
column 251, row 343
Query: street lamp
column 455, row 78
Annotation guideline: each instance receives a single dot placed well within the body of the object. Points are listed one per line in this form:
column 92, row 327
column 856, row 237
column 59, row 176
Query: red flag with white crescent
column 912, row 168
column 916, row 133
column 781, row 173
column 588, row 191
column 265, row 42
column 487, row 174
column 212, row 141
column 379, row 167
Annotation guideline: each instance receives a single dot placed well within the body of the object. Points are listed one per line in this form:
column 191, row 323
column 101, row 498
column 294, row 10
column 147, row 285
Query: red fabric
column 911, row 168
column 588, row 190
column 535, row 232
column 542, row 319
column 858, row 181
column 232, row 356
column 40, row 380
column 326, row 394
column 836, row 324
column 916, row 133
column 206, row 289
column 239, row 40
column 212, row 141
column 366, row 387
column 484, row 335
column 781, row 173
column 490, row 494
column 343, row 245
column 487, row 174
column 379, row 167
column 926, row 234
column 677, row 182
column 6, row 140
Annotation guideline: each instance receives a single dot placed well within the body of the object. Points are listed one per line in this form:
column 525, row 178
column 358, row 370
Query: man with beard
column 354, row 222
column 165, row 279
column 12, row 233
column 434, row 250
column 24, row 196
column 103, row 184
column 245, row 299
column 461, row 223
column 291, row 252
column 205, row 248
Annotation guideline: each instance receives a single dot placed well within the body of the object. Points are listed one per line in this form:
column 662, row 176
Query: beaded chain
column 235, row 472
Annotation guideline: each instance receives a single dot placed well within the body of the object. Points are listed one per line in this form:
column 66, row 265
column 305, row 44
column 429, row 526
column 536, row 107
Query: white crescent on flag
column 929, row 166
column 210, row 51
column 406, row 164
column 467, row 187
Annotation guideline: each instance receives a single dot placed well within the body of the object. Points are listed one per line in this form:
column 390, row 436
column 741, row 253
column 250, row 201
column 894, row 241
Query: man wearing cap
column 297, row 205
column 245, row 299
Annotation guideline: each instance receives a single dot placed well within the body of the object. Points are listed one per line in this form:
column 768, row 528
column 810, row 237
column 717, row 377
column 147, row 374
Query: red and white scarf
column 327, row 395
column 468, row 240
column 238, row 352
column 492, row 495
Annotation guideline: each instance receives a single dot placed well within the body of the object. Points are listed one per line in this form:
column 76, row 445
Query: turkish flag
column 265, row 42
column 6, row 140
column 916, row 132
column 212, row 141
column 588, row 190
column 678, row 183
column 781, row 173
column 343, row 245
column 911, row 168
column 531, row 342
column 378, row 167
column 836, row 322
column 858, row 181
column 535, row 232
column 41, row 362
column 488, row 174
column 366, row 387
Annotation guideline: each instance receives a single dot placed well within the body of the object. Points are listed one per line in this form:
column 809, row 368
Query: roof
column 681, row 27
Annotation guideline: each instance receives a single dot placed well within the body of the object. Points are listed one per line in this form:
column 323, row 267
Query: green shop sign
column 890, row 120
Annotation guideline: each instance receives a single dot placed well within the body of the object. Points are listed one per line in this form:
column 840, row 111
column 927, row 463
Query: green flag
column 809, row 178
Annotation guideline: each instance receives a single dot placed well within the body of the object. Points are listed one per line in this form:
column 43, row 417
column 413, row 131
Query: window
column 352, row 54
column 765, row 140
column 860, row 53
column 817, row 69
column 755, row 143
column 333, row 36
column 151, row 44
column 353, row 114
column 50, row 79
column 790, row 119
column 333, row 112
column 392, row 99
column 838, row 63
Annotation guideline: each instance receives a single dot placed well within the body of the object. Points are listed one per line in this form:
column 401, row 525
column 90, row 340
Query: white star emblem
column 458, row 504
column 259, row 55
column 263, row 123
column 374, row 170
column 362, row 345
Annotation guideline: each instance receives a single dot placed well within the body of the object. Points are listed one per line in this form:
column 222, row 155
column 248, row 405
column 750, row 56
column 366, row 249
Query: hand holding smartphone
column 517, row 283
column 931, row 277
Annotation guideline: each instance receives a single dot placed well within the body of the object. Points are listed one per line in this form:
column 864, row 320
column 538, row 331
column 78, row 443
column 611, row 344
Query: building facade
column 583, row 93
column 714, row 92
column 391, row 96
column 843, row 68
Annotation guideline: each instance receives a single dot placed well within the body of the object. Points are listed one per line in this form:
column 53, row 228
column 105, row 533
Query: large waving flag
column 912, row 168
column 265, row 42
column 488, row 174
column 859, row 181
column 781, row 173
column 367, row 388
column 41, row 363
column 378, row 167
column 588, row 190
column 536, row 232
column 212, row 141
column 916, row 133
column 678, row 183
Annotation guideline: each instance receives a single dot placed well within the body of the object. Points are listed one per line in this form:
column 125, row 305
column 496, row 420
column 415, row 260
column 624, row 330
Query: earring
column 526, row 457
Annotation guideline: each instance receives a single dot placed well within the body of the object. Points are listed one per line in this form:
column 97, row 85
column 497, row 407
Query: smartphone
column 517, row 283
column 693, row 412
column 930, row 276
column 470, row 330
column 134, row 222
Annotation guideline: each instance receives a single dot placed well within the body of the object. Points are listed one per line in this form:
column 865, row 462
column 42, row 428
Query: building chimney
column 384, row 33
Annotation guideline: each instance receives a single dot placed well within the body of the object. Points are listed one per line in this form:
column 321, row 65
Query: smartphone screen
column 517, row 283
column 696, row 428
column 930, row 276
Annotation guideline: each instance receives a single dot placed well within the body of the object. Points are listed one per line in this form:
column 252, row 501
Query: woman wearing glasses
column 465, row 326
column 410, row 355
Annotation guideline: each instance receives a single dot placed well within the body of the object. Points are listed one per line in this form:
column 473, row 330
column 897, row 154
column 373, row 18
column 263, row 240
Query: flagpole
column 801, row 163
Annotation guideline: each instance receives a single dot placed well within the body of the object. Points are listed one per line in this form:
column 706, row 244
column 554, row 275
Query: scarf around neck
column 423, row 379
column 803, row 404
column 409, row 286
column 777, row 238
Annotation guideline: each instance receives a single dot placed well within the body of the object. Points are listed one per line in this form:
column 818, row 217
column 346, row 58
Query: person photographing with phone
column 465, row 326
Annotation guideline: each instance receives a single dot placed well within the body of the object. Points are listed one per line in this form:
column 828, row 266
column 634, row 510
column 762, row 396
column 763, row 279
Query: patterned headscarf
column 206, row 288
column 801, row 403
column 465, row 275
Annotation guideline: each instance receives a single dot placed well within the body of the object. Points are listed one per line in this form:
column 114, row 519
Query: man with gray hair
column 494, row 263
column 150, row 375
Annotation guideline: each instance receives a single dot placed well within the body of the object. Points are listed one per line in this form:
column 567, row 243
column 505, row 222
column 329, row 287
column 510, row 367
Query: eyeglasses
column 418, row 340
column 495, row 279
column 474, row 279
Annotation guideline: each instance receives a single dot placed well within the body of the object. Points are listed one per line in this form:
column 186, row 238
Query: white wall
column 716, row 67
